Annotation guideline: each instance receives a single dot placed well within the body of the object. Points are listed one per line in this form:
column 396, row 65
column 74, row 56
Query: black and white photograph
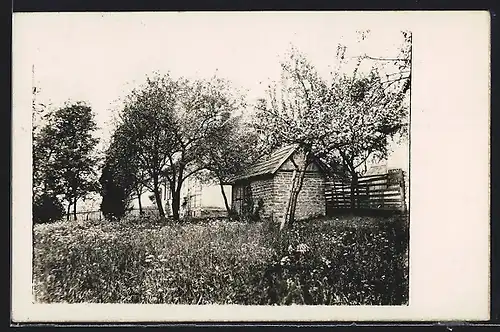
column 248, row 159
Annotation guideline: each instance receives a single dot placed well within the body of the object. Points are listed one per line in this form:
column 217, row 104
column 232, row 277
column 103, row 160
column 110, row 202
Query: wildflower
column 302, row 248
column 325, row 261
column 285, row 260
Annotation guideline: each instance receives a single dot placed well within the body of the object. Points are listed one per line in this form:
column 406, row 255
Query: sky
column 99, row 57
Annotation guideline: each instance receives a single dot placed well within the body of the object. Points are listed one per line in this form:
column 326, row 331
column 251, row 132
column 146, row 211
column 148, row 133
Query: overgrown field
column 345, row 260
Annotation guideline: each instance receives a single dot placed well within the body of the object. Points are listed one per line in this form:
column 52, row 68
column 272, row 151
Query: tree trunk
column 228, row 208
column 354, row 187
column 176, row 204
column 159, row 204
column 68, row 211
column 139, row 200
column 176, row 194
column 74, row 208
column 300, row 162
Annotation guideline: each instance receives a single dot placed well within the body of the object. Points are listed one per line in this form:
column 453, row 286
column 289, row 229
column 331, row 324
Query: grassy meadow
column 331, row 261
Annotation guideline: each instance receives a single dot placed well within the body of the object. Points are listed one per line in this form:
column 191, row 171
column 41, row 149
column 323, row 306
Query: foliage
column 329, row 261
column 342, row 122
column 146, row 127
column 297, row 111
column 368, row 115
column 63, row 154
column 294, row 110
column 115, row 200
column 121, row 178
column 170, row 122
column 47, row 208
column 229, row 153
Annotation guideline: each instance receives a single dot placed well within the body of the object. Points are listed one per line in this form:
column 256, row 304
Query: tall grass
column 329, row 261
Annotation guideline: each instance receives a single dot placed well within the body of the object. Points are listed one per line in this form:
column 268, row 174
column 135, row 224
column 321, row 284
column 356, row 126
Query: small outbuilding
column 270, row 180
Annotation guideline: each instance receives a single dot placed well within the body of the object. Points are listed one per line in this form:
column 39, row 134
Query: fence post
column 384, row 187
column 368, row 198
column 402, row 186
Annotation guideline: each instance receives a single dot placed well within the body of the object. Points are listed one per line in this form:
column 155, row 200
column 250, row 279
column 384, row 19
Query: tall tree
column 371, row 108
column 146, row 124
column 64, row 156
column 170, row 123
column 296, row 111
column 120, row 178
column 229, row 153
column 368, row 116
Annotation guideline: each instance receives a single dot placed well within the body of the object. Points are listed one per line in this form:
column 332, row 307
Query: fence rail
column 373, row 192
column 97, row 214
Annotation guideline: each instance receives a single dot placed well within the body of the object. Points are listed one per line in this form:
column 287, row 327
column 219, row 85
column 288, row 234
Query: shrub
column 115, row 199
column 47, row 208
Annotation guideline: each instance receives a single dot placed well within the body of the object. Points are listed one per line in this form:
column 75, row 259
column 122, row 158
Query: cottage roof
column 268, row 164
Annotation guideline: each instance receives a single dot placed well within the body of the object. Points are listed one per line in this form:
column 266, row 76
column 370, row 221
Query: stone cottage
column 270, row 179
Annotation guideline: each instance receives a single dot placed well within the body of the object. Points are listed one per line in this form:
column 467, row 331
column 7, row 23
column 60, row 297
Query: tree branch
column 192, row 172
column 364, row 57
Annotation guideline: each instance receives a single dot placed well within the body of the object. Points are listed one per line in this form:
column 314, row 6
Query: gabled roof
column 269, row 164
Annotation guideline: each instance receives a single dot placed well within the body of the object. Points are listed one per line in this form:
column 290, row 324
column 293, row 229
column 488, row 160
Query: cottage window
column 247, row 194
column 237, row 198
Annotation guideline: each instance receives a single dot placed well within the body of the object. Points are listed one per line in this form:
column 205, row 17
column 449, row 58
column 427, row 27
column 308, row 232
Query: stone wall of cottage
column 311, row 200
column 260, row 189
column 263, row 189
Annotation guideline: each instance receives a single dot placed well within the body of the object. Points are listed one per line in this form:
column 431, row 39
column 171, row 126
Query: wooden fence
column 384, row 192
column 97, row 214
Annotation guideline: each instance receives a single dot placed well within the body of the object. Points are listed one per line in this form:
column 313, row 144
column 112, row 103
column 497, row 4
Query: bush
column 47, row 208
column 115, row 199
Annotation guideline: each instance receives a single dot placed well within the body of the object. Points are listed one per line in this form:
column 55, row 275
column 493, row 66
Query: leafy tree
column 170, row 123
column 368, row 116
column 342, row 122
column 228, row 153
column 120, row 177
column 146, row 124
column 297, row 112
column 371, row 109
column 63, row 155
